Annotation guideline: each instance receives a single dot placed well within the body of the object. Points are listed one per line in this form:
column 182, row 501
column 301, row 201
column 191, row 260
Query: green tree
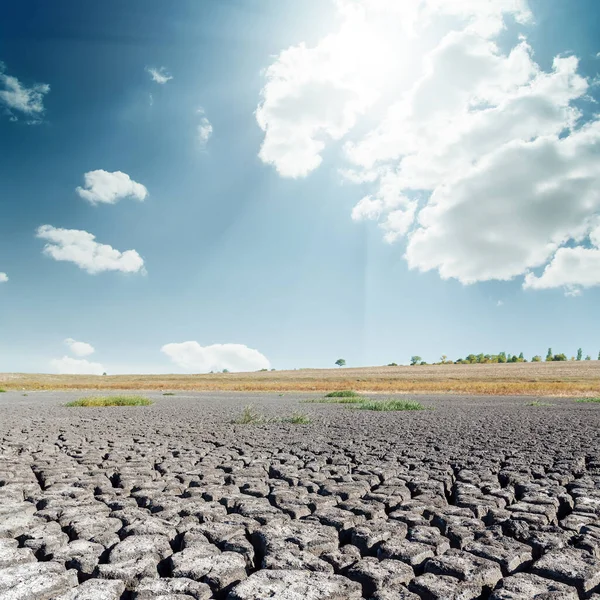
column 522, row 358
column 598, row 355
column 588, row 357
column 340, row 362
column 415, row 360
column 549, row 355
column 502, row 357
column 536, row 358
column 558, row 357
column 579, row 354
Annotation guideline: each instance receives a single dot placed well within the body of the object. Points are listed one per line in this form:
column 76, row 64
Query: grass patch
column 250, row 416
column 593, row 400
column 297, row 419
column 343, row 394
column 350, row 400
column 390, row 405
column 2, row 391
column 169, row 394
column 111, row 401
column 538, row 403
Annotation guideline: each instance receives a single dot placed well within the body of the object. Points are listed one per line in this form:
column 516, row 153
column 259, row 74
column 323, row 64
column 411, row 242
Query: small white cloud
column 73, row 366
column 3, row 277
column 571, row 268
column 159, row 75
column 193, row 357
column 499, row 303
column 205, row 129
column 103, row 187
column 79, row 348
column 80, row 247
column 17, row 97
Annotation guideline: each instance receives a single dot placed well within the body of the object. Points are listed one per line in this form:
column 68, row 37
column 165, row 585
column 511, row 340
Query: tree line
column 501, row 357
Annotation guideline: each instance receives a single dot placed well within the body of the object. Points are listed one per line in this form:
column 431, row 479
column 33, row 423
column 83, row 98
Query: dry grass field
column 537, row 379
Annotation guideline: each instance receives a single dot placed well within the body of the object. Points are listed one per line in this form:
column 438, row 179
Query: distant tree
column 559, row 357
column 340, row 362
column 579, row 354
column 225, row 370
column 502, row 357
column 536, row 358
column 443, row 359
column 522, row 358
column 588, row 357
column 549, row 354
column 598, row 355
column 415, row 360
column 392, row 365
column 514, row 358
column 104, row 373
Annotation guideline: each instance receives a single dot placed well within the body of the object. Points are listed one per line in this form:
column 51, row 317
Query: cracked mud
column 480, row 498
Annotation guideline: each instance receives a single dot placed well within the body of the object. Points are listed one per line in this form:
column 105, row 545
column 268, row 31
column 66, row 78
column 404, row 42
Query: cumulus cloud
column 18, row 98
column 80, row 247
column 205, row 129
column 193, row 357
column 103, row 187
column 73, row 366
column 159, row 75
column 79, row 348
column 3, row 277
column 477, row 158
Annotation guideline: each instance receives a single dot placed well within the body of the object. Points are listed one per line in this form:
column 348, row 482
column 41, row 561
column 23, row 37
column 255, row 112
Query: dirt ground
column 473, row 498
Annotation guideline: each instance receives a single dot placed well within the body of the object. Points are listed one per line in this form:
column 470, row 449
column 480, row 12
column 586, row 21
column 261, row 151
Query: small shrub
column 538, row 403
column 169, row 394
column 592, row 400
column 390, row 405
column 2, row 391
column 342, row 394
column 111, row 401
column 392, row 364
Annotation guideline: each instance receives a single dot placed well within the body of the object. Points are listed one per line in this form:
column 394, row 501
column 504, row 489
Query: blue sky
column 317, row 180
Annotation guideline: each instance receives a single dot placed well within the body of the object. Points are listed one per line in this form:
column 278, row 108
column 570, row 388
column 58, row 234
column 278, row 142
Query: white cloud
column 73, row 366
column 499, row 303
column 205, row 129
column 103, row 187
column 3, row 277
column 80, row 247
column 477, row 157
column 18, row 98
column 159, row 75
column 79, row 348
column 193, row 357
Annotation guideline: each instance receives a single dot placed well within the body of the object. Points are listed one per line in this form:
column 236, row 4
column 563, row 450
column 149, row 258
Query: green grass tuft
column 169, row 394
column 250, row 416
column 297, row 419
column 342, row 394
column 111, row 401
column 538, row 403
column 390, row 405
column 351, row 400
column 594, row 400
column 2, row 391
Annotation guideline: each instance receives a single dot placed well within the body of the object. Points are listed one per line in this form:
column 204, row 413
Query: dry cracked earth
column 479, row 498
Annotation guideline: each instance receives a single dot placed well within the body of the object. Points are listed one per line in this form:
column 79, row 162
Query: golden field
column 571, row 378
